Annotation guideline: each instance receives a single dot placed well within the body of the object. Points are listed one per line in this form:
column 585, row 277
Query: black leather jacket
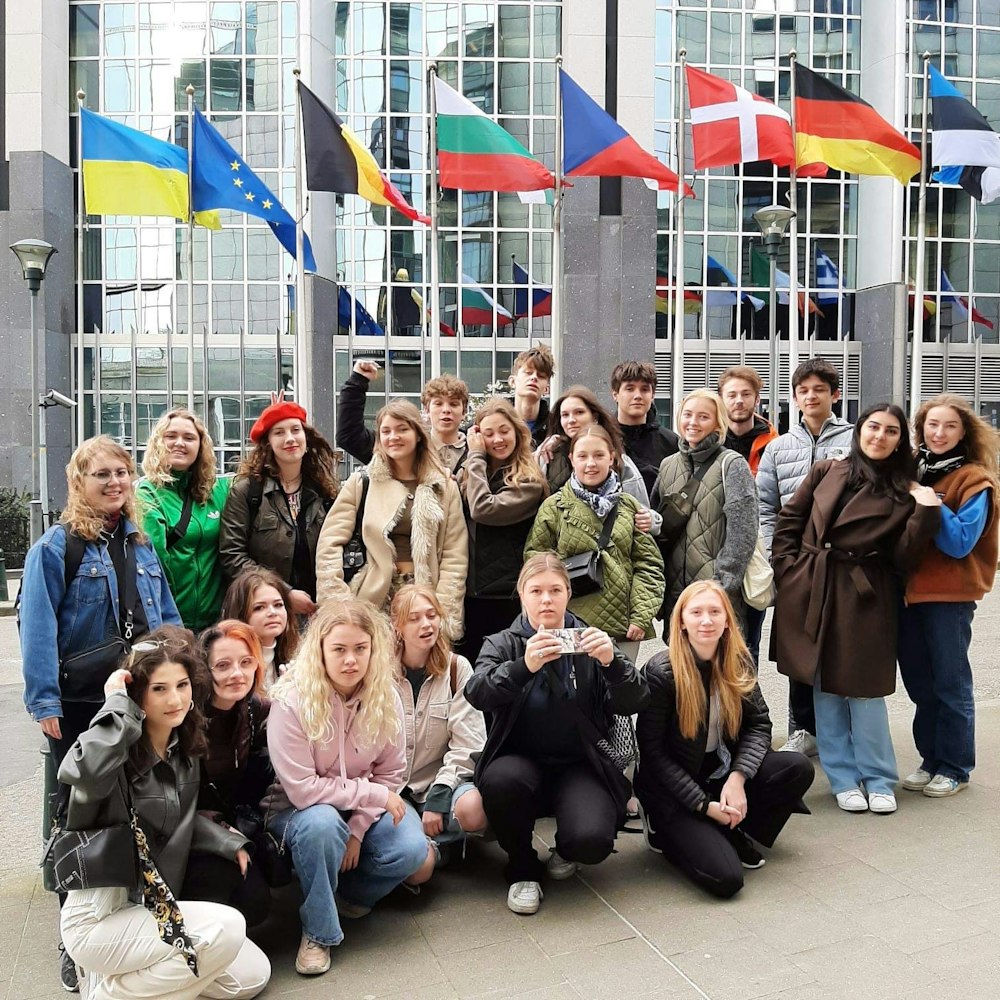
column 164, row 792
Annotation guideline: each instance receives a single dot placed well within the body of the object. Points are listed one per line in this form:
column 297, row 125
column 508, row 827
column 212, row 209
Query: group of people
column 342, row 682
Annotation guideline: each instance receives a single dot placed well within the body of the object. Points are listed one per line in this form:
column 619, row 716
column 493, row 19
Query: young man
column 783, row 466
column 529, row 378
column 633, row 385
column 445, row 400
column 749, row 433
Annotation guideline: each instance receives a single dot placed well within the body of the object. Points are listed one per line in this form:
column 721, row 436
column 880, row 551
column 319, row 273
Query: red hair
column 231, row 628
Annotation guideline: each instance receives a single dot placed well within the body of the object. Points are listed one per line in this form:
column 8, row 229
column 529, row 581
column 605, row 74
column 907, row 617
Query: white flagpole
column 435, row 289
column 81, row 221
column 189, row 90
column 793, row 264
column 302, row 348
column 917, row 345
column 555, row 388
column 677, row 342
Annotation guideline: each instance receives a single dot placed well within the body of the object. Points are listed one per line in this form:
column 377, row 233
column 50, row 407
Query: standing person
column 530, row 376
column 718, row 538
column 144, row 942
column 263, row 600
column 633, row 386
column 90, row 578
column 337, row 744
column 820, row 435
column 413, row 527
column 842, row 544
column 503, row 488
column 709, row 782
column 279, row 501
column 443, row 731
column 748, row 435
column 957, row 459
column 181, row 500
column 537, row 760
column 574, row 521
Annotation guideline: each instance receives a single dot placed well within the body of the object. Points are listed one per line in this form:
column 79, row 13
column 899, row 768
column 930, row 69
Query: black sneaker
column 67, row 972
column 749, row 856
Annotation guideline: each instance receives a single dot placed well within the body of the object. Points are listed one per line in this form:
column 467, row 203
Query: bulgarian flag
column 476, row 154
column 479, row 308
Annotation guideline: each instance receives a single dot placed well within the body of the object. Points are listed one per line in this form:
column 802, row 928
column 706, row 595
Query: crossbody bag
column 586, row 574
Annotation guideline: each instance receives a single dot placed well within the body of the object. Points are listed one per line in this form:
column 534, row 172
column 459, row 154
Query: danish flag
column 730, row 125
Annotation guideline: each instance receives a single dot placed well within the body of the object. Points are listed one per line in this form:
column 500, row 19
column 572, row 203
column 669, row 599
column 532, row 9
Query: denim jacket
column 57, row 621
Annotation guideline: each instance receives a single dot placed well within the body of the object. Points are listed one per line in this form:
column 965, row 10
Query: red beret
column 274, row 414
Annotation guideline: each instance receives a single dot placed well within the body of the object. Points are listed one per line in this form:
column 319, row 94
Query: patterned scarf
column 600, row 500
column 931, row 467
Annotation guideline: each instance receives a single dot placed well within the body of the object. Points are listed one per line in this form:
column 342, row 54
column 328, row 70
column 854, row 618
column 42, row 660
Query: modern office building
column 130, row 353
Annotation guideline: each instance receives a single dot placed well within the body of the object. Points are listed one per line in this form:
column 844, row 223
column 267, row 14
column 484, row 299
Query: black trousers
column 517, row 791
column 218, row 880
column 801, row 713
column 701, row 848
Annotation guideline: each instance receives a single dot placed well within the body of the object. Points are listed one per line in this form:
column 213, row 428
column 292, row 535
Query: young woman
column 570, row 523
column 708, row 779
column 576, row 409
column 279, row 501
column 443, row 731
column 536, row 761
column 181, row 501
column 144, row 943
column 263, row 600
column 413, row 528
column 719, row 537
column 957, row 453
column 840, row 547
column 236, row 773
column 502, row 487
column 337, row 744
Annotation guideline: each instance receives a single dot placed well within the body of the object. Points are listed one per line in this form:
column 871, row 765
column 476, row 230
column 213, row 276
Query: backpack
column 75, row 548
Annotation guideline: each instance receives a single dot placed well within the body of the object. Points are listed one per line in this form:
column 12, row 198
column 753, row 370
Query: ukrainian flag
column 126, row 172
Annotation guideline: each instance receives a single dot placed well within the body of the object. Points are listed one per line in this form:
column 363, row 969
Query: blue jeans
column 934, row 643
column 452, row 832
column 318, row 838
column 755, row 625
column 855, row 748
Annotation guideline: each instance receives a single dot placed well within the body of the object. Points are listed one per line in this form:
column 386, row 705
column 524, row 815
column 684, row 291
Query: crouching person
column 537, row 760
column 336, row 741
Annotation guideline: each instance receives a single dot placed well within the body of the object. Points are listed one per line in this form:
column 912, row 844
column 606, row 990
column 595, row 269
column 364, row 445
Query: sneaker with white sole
column 801, row 741
column 558, row 868
column 882, row 803
column 524, row 897
column 69, row 976
column 917, row 781
column 648, row 833
column 852, row 801
column 312, row 958
column 941, row 786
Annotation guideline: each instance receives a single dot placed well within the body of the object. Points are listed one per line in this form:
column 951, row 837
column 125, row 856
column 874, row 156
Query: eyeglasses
column 105, row 476
column 247, row 664
column 152, row 645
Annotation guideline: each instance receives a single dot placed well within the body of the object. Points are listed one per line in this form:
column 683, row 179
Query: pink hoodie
column 335, row 772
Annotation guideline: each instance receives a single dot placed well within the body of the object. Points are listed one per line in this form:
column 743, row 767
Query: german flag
column 833, row 126
column 336, row 160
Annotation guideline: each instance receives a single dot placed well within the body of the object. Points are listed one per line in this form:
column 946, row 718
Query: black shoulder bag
column 179, row 530
column 586, row 574
column 355, row 553
column 676, row 508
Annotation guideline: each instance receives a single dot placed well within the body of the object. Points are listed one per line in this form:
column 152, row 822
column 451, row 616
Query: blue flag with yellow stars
column 221, row 179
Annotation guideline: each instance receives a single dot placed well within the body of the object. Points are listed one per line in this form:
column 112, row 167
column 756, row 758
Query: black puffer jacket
column 670, row 761
column 502, row 680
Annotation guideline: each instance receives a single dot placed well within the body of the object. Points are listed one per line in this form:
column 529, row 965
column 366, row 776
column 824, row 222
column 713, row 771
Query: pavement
column 848, row 906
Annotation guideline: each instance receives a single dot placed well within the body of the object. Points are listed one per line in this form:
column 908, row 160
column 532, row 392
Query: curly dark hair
column 319, row 464
column 894, row 476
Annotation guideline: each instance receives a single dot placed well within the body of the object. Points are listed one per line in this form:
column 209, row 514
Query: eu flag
column 221, row 179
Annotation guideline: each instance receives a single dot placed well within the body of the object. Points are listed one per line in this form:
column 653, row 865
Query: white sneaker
column 558, row 868
column 524, row 897
column 852, row 801
column 917, row 781
column 941, row 786
column 312, row 958
column 801, row 741
column 882, row 803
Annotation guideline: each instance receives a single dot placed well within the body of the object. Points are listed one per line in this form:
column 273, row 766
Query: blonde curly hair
column 156, row 463
column 80, row 516
column 377, row 720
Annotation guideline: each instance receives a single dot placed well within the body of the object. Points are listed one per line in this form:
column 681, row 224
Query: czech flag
column 541, row 297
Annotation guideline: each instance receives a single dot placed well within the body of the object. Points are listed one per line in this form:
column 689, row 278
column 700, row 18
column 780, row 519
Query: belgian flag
column 835, row 127
column 336, row 160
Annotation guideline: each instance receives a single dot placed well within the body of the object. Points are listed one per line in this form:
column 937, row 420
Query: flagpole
column 435, row 289
column 189, row 90
column 793, row 264
column 81, row 221
column 302, row 347
column 917, row 345
column 556, row 319
column 677, row 342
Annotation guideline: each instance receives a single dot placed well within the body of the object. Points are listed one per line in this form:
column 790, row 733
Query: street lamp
column 33, row 256
column 773, row 221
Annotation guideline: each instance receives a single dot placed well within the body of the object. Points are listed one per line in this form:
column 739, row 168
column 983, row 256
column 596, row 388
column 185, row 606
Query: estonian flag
column 541, row 297
column 718, row 275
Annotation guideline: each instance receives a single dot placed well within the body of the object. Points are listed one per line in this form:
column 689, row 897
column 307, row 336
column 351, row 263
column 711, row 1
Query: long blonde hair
column 156, row 463
column 982, row 442
column 732, row 675
column 377, row 719
column 520, row 469
column 80, row 516
column 439, row 658
column 425, row 460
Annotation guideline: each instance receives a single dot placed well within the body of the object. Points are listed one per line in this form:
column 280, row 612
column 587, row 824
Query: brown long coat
column 839, row 578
